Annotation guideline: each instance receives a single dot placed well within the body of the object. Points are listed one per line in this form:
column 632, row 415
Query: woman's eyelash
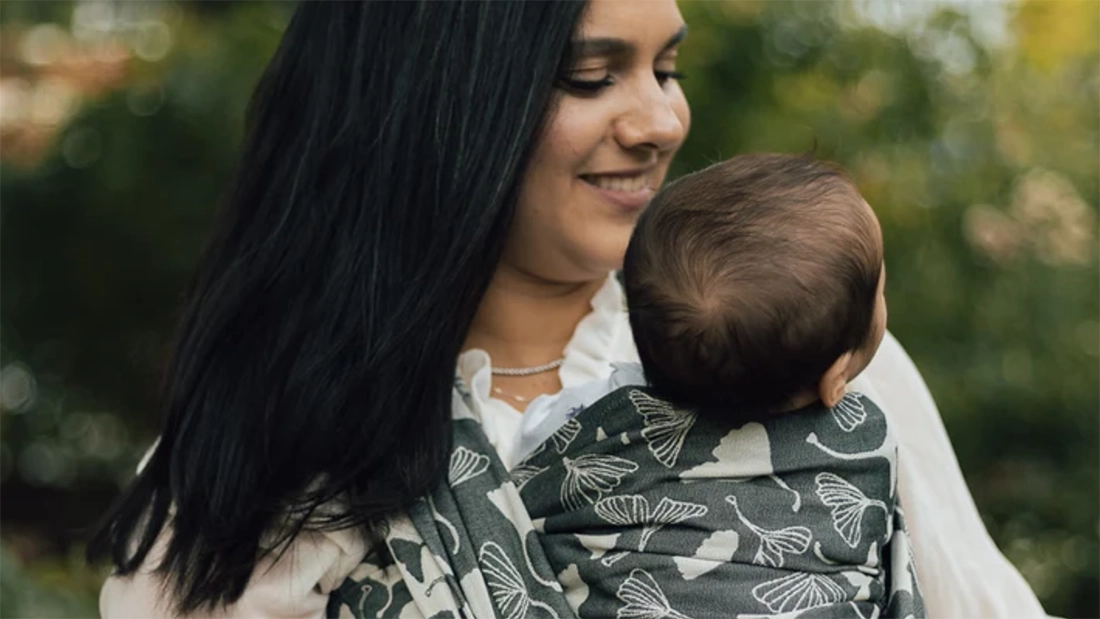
column 593, row 86
column 585, row 86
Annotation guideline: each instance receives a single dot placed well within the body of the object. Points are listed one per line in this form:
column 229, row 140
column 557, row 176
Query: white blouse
column 960, row 570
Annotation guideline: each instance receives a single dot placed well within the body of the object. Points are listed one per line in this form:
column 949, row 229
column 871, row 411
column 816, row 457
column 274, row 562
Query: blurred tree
column 98, row 240
column 39, row 11
column 1057, row 37
column 58, row 587
column 35, row 12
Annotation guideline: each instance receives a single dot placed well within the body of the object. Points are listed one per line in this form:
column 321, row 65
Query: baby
column 756, row 286
column 731, row 473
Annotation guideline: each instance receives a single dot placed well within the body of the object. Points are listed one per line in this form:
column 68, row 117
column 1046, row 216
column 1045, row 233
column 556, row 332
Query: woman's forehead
column 588, row 47
column 642, row 23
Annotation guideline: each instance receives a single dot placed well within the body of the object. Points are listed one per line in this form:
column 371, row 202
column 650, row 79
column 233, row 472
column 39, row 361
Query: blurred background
column 972, row 128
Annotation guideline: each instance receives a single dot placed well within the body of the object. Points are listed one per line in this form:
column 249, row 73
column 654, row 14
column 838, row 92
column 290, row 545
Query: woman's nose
column 651, row 120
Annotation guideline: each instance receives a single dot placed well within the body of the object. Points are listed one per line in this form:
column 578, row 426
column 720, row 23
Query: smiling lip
column 630, row 201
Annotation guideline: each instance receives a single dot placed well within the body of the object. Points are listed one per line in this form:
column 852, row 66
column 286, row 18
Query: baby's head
column 756, row 286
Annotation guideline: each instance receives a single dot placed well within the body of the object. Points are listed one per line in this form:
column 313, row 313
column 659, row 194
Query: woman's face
column 620, row 118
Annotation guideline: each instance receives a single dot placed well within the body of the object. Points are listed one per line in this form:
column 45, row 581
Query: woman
column 425, row 182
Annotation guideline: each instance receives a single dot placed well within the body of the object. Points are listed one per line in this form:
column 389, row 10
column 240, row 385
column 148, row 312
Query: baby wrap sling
column 636, row 509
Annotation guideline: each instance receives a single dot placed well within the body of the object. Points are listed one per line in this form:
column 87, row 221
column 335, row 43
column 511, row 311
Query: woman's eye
column 589, row 82
column 664, row 76
column 584, row 86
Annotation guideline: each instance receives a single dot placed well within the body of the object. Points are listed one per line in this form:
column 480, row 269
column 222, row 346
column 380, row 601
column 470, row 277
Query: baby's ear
column 835, row 383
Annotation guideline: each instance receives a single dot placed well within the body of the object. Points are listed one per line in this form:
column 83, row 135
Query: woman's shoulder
column 892, row 368
column 962, row 572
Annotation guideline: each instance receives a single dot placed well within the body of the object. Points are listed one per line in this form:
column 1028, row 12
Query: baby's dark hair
column 747, row 280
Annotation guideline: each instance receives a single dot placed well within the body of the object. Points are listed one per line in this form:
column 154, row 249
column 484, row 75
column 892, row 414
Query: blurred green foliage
column 972, row 130
column 55, row 587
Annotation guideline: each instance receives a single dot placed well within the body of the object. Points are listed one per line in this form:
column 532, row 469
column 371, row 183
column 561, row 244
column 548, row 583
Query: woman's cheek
column 682, row 110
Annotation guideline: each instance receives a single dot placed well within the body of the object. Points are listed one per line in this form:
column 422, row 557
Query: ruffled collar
column 588, row 355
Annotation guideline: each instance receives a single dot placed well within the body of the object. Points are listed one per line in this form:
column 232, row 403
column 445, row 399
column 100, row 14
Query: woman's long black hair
column 315, row 360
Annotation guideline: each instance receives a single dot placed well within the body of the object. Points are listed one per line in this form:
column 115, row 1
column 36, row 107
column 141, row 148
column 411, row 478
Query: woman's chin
column 606, row 252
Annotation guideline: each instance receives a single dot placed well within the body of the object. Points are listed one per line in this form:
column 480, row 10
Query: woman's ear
column 835, row 381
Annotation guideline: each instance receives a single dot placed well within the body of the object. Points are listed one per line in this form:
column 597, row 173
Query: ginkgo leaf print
column 797, row 504
column 505, row 583
column 798, row 592
column 849, row 412
column 624, row 510
column 589, row 477
column 364, row 595
column 450, row 528
column 644, row 599
column 670, row 511
column 875, row 611
column 565, row 435
column 634, row 509
column 614, row 558
column 524, row 473
column 774, row 544
column 466, row 464
column 848, row 505
column 665, row 428
column 536, row 451
column 887, row 451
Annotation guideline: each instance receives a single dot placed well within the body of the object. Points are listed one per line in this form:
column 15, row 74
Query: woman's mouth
column 630, row 192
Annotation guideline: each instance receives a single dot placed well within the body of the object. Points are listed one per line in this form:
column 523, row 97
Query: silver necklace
column 517, row 398
column 531, row 371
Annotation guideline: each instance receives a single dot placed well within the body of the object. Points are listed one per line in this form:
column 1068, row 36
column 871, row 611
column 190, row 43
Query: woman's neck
column 525, row 321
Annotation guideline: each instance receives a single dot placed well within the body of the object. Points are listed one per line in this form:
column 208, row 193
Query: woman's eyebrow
column 585, row 48
column 609, row 46
column 676, row 38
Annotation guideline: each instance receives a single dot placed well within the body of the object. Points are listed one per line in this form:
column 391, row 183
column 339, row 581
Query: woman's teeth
column 619, row 183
